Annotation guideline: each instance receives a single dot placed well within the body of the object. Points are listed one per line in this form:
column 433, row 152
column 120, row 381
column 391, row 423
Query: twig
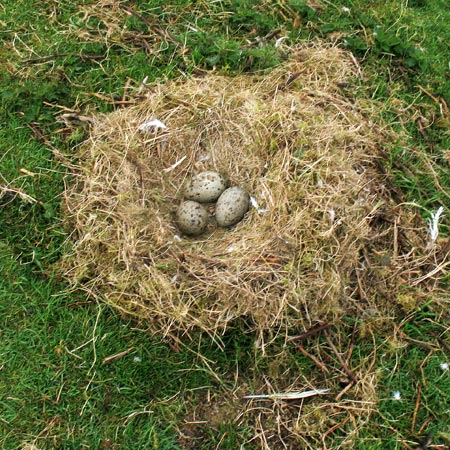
column 332, row 429
column 429, row 164
column 58, row 155
column 422, row 129
column 111, row 100
column 82, row 303
column 27, row 172
column 272, row 34
column 310, row 332
column 406, row 446
column 422, row 344
column 346, row 389
column 424, row 425
column 441, row 341
column 292, row 78
column 268, row 36
column 436, row 270
column 350, row 347
column 340, row 359
column 416, row 408
column 150, row 24
column 63, row 107
column 362, row 292
column 17, row 192
column 60, row 55
column 313, row 359
column 125, row 89
column 132, row 157
column 116, row 356
column 69, row 117
column 442, row 105
column 358, row 67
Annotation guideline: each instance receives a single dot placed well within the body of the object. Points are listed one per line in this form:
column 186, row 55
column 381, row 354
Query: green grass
column 54, row 389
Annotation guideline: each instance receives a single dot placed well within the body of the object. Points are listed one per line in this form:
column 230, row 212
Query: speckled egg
column 232, row 206
column 205, row 187
column 192, row 218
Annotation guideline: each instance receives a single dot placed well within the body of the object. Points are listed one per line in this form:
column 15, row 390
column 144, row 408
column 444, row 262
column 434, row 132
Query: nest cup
column 324, row 239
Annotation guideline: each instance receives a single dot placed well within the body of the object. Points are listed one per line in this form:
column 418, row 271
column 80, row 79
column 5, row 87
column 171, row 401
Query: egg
column 205, row 187
column 192, row 218
column 232, row 206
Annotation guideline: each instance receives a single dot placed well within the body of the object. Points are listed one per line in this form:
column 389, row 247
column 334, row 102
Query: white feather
column 288, row 395
column 152, row 125
column 433, row 223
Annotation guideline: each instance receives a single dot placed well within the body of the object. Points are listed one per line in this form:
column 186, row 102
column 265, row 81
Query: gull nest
column 327, row 236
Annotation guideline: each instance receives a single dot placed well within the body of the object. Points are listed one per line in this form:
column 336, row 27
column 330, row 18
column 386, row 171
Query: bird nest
column 324, row 238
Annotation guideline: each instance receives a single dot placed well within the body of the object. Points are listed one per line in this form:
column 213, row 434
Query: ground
column 65, row 61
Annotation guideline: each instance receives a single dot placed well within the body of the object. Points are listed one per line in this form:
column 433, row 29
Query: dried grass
column 330, row 243
column 334, row 419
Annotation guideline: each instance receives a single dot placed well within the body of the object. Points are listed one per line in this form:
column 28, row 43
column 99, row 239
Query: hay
column 326, row 240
